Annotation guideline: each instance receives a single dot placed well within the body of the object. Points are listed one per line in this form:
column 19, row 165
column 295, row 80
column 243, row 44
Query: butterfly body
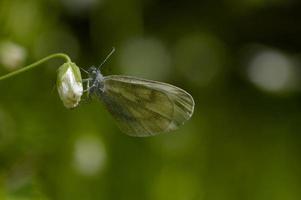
column 96, row 82
column 141, row 107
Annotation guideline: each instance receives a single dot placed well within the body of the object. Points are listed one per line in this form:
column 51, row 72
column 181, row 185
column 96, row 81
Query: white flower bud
column 69, row 84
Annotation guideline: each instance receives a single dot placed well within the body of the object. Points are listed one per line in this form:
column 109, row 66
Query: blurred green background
column 240, row 59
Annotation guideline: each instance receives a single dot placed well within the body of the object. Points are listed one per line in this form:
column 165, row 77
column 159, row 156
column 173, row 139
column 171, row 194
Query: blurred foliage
column 239, row 59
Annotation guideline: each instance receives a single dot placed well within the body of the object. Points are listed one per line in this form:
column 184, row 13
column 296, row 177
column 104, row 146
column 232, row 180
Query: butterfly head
column 93, row 71
column 95, row 74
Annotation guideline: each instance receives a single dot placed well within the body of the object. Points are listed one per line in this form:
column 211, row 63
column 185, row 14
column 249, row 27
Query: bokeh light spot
column 12, row 55
column 56, row 41
column 272, row 71
column 89, row 155
column 145, row 57
column 199, row 58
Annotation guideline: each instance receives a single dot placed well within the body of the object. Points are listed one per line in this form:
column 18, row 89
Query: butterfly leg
column 87, row 98
column 88, row 89
column 88, row 84
column 87, row 80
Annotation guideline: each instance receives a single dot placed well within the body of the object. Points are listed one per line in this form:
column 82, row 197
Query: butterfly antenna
column 108, row 56
column 84, row 70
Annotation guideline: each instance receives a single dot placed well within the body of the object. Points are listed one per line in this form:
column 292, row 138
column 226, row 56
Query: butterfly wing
column 144, row 107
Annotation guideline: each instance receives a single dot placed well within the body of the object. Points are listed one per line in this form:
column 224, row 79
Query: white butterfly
column 141, row 107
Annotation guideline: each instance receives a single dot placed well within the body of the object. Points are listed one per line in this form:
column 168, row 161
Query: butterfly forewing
column 143, row 107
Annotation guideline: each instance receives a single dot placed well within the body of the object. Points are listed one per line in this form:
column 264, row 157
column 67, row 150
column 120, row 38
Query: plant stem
column 35, row 64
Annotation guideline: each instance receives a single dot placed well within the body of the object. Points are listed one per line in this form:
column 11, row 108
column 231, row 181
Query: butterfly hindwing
column 143, row 107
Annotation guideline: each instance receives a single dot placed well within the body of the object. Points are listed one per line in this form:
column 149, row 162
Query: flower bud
column 69, row 84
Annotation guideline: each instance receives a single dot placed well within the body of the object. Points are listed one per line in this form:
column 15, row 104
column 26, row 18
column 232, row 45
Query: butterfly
column 140, row 107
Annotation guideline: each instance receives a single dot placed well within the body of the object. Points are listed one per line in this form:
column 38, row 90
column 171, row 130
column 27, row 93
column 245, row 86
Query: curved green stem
column 35, row 64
